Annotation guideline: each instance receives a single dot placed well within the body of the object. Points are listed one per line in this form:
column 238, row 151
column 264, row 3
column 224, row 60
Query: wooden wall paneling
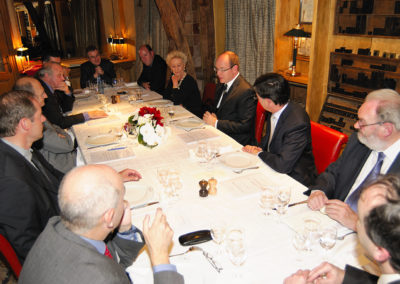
column 126, row 13
column 219, row 25
column 174, row 29
column 207, row 43
column 323, row 23
column 287, row 17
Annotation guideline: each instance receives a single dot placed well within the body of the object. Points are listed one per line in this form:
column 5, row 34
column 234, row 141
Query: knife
column 298, row 203
column 98, row 146
column 144, row 205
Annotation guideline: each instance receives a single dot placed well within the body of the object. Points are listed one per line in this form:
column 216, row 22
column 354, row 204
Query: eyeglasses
column 361, row 125
column 216, row 70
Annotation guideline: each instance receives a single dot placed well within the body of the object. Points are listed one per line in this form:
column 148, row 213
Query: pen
column 117, row 148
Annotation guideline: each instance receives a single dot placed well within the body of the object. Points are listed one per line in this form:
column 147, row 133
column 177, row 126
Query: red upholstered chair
column 259, row 124
column 209, row 93
column 9, row 254
column 327, row 144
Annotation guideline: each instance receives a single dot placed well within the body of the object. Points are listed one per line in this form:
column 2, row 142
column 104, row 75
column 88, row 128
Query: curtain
column 250, row 34
column 149, row 30
column 86, row 25
column 50, row 25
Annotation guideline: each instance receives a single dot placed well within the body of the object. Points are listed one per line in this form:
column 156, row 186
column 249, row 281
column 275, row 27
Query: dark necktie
column 107, row 253
column 352, row 201
column 224, row 91
column 45, row 174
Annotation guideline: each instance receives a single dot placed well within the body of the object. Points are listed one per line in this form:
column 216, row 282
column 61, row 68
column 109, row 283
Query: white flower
column 160, row 130
column 149, row 135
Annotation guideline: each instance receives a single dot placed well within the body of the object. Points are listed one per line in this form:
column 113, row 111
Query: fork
column 341, row 238
column 245, row 169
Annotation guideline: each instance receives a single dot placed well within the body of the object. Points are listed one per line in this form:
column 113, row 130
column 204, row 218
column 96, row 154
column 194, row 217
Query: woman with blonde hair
column 182, row 88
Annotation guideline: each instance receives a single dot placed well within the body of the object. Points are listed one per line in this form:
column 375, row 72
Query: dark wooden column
column 174, row 29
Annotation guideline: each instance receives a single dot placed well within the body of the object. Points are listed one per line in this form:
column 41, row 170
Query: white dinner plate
column 102, row 139
column 190, row 122
column 159, row 103
column 238, row 160
column 138, row 194
column 132, row 84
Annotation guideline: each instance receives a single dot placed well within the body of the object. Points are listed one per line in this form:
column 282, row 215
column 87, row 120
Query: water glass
column 311, row 225
column 300, row 244
column 282, row 199
column 235, row 247
column 327, row 239
column 267, row 199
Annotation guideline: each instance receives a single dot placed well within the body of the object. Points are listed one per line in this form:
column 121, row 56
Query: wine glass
column 201, row 151
column 282, row 199
column 171, row 113
column 267, row 198
column 218, row 234
column 311, row 225
column 327, row 239
column 300, row 244
column 162, row 174
column 236, row 249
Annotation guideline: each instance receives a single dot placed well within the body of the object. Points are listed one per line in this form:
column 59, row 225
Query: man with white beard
column 372, row 150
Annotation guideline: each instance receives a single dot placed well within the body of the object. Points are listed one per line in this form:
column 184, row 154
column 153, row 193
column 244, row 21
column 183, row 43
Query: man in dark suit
column 28, row 183
column 235, row 104
column 154, row 71
column 92, row 207
column 378, row 233
column 51, row 77
column 373, row 150
column 96, row 67
column 286, row 147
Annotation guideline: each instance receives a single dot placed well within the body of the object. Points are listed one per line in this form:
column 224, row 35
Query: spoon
column 245, row 169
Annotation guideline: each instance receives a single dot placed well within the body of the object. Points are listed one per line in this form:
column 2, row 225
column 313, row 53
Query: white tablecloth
column 271, row 255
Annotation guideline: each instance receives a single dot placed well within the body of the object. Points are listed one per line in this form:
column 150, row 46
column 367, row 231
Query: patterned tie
column 107, row 253
column 352, row 201
column 224, row 91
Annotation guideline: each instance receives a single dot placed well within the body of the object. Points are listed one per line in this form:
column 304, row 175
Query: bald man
column 93, row 210
column 154, row 71
column 56, row 145
column 235, row 102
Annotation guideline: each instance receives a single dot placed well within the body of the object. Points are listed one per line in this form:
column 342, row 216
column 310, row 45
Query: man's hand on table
column 126, row 221
column 326, row 273
column 252, row 149
column 158, row 238
column 210, row 118
column 341, row 212
column 146, row 85
column 95, row 114
column 130, row 175
column 300, row 277
column 317, row 200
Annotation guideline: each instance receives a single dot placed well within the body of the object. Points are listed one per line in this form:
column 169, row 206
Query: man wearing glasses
column 235, row 105
column 372, row 150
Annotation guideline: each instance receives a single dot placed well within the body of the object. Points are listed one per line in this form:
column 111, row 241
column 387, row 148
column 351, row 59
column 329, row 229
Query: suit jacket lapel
column 395, row 167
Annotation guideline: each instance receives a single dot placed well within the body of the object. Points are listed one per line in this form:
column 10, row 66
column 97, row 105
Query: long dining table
column 271, row 255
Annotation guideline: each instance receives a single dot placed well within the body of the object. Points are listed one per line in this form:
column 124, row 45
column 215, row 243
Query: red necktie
column 107, row 253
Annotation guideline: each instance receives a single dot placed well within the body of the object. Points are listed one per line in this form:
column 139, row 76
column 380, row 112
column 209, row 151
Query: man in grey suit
column 378, row 233
column 93, row 240
column 235, row 104
column 56, row 145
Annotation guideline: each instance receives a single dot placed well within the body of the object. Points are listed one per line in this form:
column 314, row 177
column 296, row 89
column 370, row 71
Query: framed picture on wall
column 306, row 11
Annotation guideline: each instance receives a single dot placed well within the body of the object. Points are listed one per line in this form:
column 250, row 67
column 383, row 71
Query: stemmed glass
column 311, row 225
column 171, row 113
column 218, row 234
column 300, row 243
column 267, row 198
column 236, row 249
column 282, row 199
column 327, row 239
column 201, row 151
